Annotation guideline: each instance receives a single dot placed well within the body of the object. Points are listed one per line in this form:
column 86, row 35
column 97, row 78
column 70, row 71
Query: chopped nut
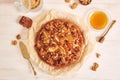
column 14, row 42
column 85, row 2
column 98, row 55
column 95, row 66
column 67, row 1
column 18, row 36
column 74, row 5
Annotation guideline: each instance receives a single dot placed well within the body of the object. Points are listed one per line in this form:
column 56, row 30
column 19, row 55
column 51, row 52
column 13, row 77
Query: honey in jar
column 98, row 20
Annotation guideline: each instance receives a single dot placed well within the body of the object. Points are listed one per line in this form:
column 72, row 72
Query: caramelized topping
column 59, row 43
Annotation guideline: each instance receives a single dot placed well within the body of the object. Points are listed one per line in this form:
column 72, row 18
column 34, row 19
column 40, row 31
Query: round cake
column 59, row 43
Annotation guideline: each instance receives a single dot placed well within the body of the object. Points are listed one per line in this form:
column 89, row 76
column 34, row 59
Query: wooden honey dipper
column 102, row 38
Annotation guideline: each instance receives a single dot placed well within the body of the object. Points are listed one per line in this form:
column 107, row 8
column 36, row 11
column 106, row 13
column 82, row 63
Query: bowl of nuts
column 85, row 2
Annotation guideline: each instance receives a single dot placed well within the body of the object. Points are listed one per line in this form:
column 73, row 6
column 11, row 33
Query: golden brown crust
column 74, row 5
column 59, row 43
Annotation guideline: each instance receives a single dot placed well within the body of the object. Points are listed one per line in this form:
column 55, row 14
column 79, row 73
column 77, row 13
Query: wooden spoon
column 102, row 38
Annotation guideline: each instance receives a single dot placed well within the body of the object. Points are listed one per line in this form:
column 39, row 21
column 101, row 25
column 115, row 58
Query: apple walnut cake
column 59, row 43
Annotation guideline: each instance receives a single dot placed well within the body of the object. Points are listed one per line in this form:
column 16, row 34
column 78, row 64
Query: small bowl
column 90, row 13
column 39, row 7
column 85, row 2
column 20, row 5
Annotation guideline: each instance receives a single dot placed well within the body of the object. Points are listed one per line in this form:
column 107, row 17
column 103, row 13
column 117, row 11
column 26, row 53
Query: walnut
column 95, row 66
column 98, row 55
column 74, row 5
column 67, row 1
column 14, row 42
column 18, row 36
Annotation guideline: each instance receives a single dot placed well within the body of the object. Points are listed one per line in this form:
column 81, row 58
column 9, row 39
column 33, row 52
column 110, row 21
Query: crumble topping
column 59, row 43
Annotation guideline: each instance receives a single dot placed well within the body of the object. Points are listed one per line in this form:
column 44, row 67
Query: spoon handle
column 103, row 37
column 35, row 73
column 111, row 25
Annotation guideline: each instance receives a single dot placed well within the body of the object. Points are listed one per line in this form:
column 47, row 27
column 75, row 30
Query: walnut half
column 74, row 5
column 95, row 66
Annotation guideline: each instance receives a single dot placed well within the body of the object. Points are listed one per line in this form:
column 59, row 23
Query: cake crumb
column 67, row 1
column 18, row 36
column 74, row 5
column 98, row 55
column 95, row 66
column 14, row 42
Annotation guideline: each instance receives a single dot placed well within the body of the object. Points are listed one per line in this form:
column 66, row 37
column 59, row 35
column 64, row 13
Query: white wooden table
column 14, row 67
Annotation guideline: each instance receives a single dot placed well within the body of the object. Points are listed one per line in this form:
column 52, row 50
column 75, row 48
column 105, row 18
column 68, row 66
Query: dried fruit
column 95, row 66
column 74, row 5
column 18, row 36
column 14, row 42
